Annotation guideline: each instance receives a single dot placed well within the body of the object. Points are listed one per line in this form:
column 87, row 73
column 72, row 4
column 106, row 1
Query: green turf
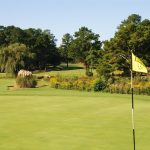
column 79, row 72
column 72, row 70
column 62, row 70
column 49, row 119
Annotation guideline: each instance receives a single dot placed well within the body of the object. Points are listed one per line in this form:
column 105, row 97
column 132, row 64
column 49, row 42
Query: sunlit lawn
column 73, row 70
column 49, row 119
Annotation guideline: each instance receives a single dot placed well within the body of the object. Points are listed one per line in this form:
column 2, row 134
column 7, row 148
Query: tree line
column 35, row 49
column 26, row 49
column 132, row 34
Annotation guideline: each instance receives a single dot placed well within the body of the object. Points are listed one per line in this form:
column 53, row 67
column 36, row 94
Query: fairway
column 50, row 119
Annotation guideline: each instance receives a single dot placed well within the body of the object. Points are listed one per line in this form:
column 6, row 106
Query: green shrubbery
column 100, row 85
column 123, row 86
column 89, row 73
column 70, row 83
column 114, row 85
column 26, row 82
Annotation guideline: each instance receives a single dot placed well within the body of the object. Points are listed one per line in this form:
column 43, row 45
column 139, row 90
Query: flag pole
column 133, row 125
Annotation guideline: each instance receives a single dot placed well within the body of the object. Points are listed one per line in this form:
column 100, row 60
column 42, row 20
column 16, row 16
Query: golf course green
column 50, row 119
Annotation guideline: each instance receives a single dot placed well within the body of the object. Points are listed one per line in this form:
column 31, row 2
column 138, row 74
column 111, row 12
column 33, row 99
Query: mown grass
column 72, row 70
column 50, row 119
column 62, row 70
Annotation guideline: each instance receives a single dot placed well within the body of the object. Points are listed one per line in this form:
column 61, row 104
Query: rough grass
column 50, row 119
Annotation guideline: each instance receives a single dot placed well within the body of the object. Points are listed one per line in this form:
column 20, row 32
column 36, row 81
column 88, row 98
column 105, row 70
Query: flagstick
column 133, row 126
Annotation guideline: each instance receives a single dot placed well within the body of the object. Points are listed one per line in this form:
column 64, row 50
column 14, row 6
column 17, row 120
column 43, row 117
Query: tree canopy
column 14, row 57
column 65, row 48
column 42, row 44
column 84, row 44
column 132, row 34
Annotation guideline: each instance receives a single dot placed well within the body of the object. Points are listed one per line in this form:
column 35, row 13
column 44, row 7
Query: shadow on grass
column 72, row 68
column 60, row 68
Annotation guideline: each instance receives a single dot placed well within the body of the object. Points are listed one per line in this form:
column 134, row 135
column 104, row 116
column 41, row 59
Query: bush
column 26, row 82
column 89, row 73
column 100, row 85
column 113, row 85
column 123, row 86
column 54, row 82
column 73, row 83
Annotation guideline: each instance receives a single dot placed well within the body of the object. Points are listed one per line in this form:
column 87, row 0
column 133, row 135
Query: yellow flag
column 137, row 65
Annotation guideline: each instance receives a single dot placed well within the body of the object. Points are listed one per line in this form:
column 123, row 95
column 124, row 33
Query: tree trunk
column 67, row 63
column 86, row 66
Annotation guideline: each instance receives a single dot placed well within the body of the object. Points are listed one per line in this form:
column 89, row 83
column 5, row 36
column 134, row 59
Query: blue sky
column 67, row 16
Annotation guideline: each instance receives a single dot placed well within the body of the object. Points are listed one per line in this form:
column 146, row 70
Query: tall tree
column 84, row 42
column 132, row 33
column 14, row 57
column 42, row 43
column 65, row 48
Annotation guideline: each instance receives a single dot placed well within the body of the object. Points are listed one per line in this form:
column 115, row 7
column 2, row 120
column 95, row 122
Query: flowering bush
column 82, row 83
column 119, row 85
column 141, row 86
column 54, row 82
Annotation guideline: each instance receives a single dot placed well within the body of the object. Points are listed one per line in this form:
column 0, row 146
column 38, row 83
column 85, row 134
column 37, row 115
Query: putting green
column 49, row 119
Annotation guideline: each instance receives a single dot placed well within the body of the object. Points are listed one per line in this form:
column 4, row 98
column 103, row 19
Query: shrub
column 26, row 82
column 100, row 85
column 89, row 73
column 114, row 85
column 72, row 83
column 54, row 82
column 66, row 85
